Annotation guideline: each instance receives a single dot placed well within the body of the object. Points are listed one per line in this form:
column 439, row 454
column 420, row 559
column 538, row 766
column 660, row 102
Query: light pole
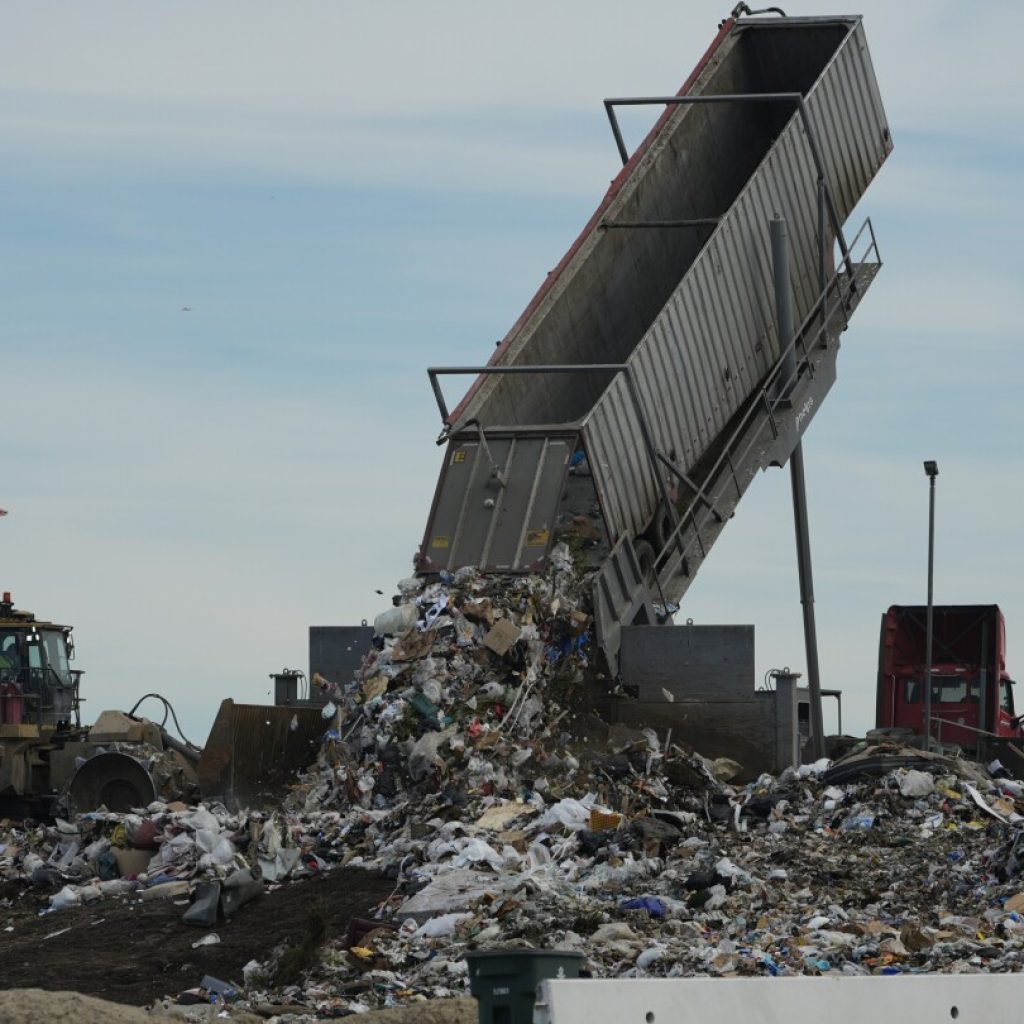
column 931, row 469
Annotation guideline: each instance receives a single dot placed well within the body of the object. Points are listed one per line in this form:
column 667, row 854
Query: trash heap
column 470, row 697
column 462, row 761
column 916, row 871
column 213, row 861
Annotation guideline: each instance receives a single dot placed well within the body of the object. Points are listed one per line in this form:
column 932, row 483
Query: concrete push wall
column 698, row 681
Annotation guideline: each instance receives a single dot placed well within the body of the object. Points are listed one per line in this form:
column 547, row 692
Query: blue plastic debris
column 859, row 820
column 653, row 906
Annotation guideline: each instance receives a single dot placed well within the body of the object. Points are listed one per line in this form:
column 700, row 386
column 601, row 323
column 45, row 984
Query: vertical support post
column 779, row 235
column 787, row 727
column 931, row 469
column 806, row 576
column 982, row 688
column 784, row 311
column 822, row 253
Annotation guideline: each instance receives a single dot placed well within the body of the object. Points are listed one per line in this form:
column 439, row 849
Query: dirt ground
column 135, row 953
column 29, row 1006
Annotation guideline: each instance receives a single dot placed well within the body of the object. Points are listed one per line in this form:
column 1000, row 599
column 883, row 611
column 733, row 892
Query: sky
column 234, row 235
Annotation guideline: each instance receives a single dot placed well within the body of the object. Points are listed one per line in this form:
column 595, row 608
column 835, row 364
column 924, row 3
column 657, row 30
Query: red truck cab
column 972, row 693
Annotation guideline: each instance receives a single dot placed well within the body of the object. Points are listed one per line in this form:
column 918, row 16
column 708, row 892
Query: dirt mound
column 30, row 1005
column 136, row 952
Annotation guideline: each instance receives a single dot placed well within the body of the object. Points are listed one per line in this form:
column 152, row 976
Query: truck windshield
column 953, row 689
column 946, row 689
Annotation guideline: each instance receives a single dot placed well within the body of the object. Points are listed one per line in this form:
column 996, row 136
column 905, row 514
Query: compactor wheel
column 112, row 780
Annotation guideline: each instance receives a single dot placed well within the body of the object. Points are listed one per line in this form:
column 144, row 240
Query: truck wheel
column 661, row 528
column 645, row 557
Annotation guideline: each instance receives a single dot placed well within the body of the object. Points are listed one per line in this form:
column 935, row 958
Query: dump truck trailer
column 646, row 382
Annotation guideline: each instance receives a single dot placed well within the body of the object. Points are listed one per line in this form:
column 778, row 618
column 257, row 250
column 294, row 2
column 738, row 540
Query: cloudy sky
column 234, row 234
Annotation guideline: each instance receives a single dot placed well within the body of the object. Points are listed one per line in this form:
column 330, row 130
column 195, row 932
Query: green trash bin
column 505, row 981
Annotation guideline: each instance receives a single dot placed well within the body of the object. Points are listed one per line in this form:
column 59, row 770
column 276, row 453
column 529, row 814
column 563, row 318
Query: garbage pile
column 913, row 872
column 461, row 762
column 469, row 699
column 211, row 861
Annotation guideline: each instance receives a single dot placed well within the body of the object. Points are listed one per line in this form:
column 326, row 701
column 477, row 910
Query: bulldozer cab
column 37, row 684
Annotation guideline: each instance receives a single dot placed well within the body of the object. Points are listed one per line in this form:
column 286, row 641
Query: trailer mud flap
column 255, row 750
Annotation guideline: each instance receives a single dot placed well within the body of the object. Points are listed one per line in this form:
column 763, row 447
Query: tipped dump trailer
column 645, row 384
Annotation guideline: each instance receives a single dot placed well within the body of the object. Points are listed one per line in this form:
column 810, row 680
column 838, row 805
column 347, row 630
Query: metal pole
column 983, row 686
column 779, row 235
column 784, row 309
column 803, row 556
column 931, row 468
column 822, row 252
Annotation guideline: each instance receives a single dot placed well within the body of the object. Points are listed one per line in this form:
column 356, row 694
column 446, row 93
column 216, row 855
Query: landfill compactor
column 646, row 383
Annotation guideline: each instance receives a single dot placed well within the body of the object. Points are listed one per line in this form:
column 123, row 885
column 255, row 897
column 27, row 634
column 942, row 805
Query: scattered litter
column 501, row 636
column 915, row 783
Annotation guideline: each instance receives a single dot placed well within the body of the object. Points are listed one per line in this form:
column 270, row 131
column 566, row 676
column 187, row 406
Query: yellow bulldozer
column 52, row 764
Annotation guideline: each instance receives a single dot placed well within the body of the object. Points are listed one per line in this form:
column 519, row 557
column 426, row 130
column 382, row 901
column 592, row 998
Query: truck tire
column 645, row 557
column 661, row 528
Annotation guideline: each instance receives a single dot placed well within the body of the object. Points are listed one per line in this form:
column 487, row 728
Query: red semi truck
column 972, row 694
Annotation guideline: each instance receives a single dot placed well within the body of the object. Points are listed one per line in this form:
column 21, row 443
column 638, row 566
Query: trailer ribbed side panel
column 846, row 108
column 611, row 460
column 716, row 339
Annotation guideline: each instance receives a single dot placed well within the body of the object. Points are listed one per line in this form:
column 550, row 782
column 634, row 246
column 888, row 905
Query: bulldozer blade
column 112, row 780
column 255, row 750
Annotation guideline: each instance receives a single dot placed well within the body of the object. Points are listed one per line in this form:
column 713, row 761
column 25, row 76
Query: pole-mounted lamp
column 931, row 469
